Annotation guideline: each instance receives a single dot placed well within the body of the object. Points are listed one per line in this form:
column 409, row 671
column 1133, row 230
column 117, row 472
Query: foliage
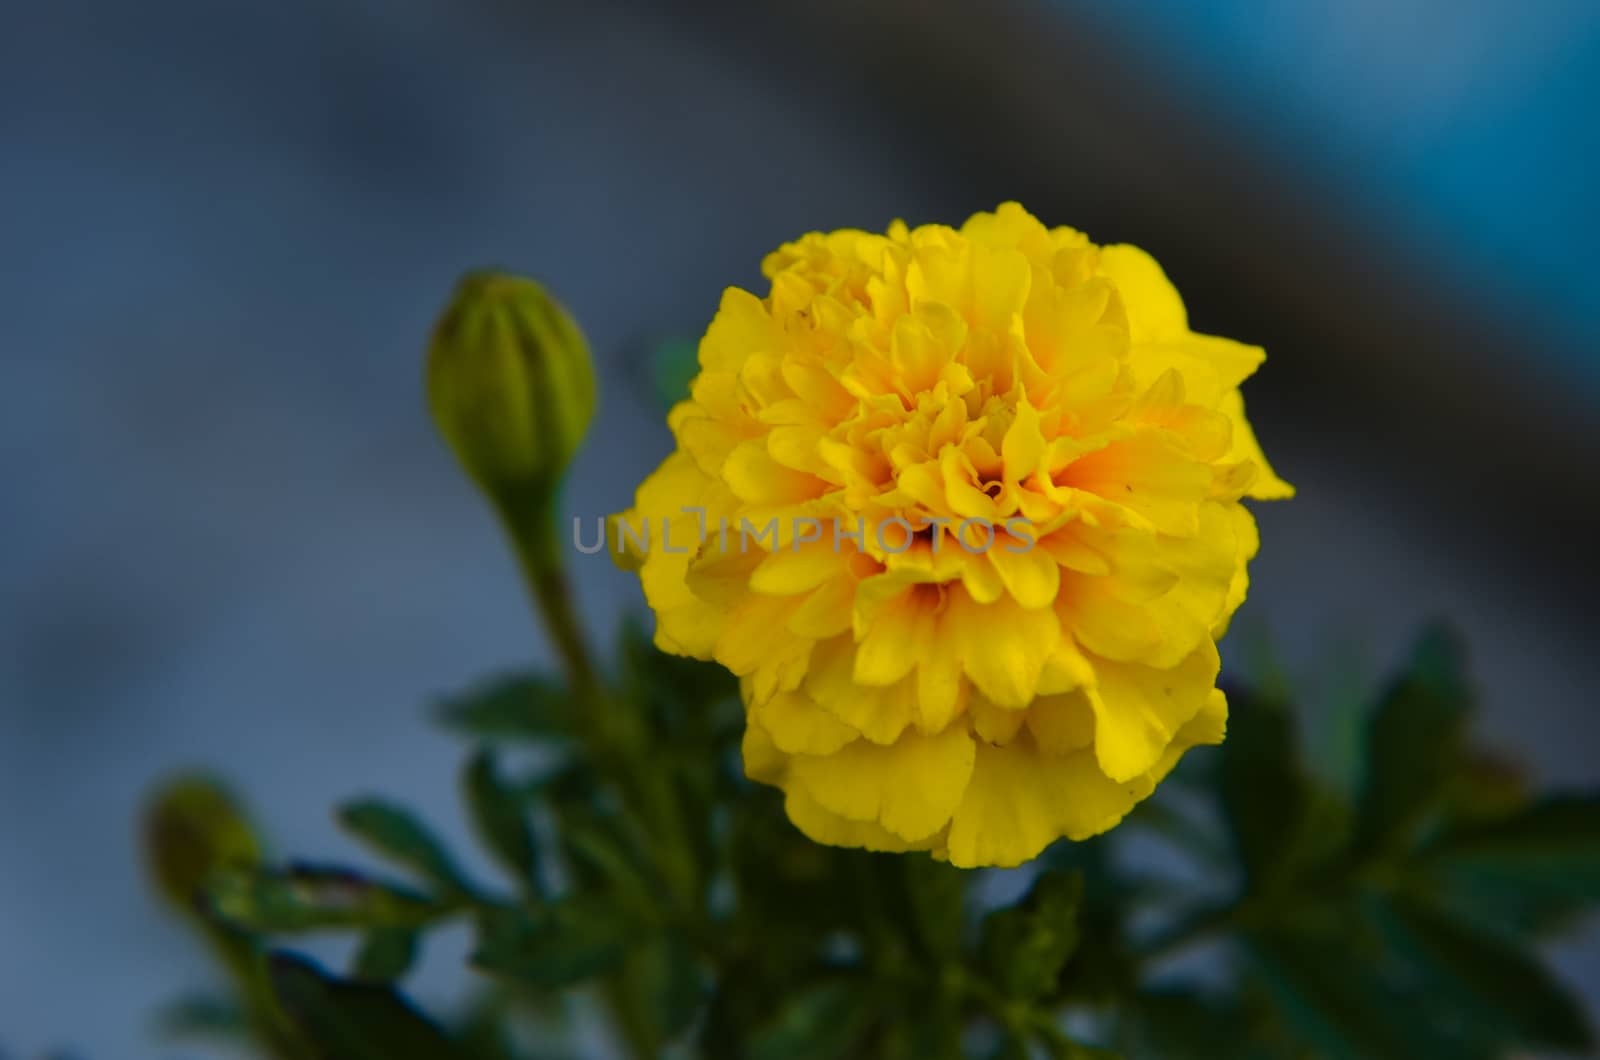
column 642, row 873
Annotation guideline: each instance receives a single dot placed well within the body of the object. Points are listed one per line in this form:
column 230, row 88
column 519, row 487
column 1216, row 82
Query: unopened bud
column 194, row 830
column 510, row 384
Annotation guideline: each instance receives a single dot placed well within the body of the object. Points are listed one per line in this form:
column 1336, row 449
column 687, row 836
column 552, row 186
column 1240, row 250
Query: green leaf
column 1266, row 796
column 604, row 858
column 1341, row 1003
column 924, row 1027
column 394, row 833
column 1499, row 990
column 1339, row 712
column 338, row 1020
column 522, row 707
column 1415, row 743
column 310, row 898
column 664, row 977
column 1026, row 946
column 1533, row 870
column 1059, row 1046
column 936, row 894
column 385, row 956
column 677, row 692
column 204, row 1016
column 1183, row 1024
column 552, row 946
column 673, row 365
column 501, row 819
column 819, row 1022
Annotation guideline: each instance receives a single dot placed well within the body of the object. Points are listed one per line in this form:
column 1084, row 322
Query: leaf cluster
column 641, row 877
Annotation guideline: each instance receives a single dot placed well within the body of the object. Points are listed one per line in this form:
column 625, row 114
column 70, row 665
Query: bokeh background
column 231, row 538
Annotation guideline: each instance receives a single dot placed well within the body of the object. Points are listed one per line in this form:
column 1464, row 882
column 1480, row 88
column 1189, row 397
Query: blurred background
column 233, row 540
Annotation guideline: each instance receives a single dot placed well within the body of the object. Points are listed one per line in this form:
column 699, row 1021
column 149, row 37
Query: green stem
column 615, row 738
column 532, row 529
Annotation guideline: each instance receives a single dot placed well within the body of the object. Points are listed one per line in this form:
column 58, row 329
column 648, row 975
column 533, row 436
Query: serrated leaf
column 395, row 833
column 554, row 945
column 338, row 1020
column 820, row 1022
column 1026, row 946
column 385, row 956
column 1415, row 742
column 519, row 707
column 311, row 898
column 1498, row 990
column 501, row 819
column 1266, row 795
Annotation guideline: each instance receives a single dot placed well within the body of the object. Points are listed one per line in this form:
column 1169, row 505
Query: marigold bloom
column 1024, row 471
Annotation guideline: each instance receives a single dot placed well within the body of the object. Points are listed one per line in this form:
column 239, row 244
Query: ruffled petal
column 910, row 787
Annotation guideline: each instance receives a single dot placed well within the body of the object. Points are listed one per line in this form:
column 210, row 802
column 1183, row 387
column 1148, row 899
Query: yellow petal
column 1138, row 710
column 1149, row 475
column 1024, row 446
column 879, row 714
column 1210, row 366
column 1018, row 802
column 757, row 479
column 1002, row 645
column 1066, row 669
column 821, row 826
column 1267, row 485
column 910, row 787
column 763, row 762
column 740, row 328
column 787, row 572
column 826, row 611
column 995, row 724
column 1062, row 724
column 1248, row 541
column 893, row 629
column 1154, row 309
column 798, row 726
column 1209, row 726
column 941, row 690
column 1000, row 281
column 1031, row 576
column 982, row 579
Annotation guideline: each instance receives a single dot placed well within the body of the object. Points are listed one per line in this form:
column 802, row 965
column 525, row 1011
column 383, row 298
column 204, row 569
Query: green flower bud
column 511, row 385
column 193, row 829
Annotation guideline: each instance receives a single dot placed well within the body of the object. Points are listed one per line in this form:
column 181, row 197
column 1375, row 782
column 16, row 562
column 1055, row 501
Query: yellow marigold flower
column 961, row 509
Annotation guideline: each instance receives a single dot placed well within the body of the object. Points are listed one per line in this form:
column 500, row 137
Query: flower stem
column 615, row 738
column 532, row 529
